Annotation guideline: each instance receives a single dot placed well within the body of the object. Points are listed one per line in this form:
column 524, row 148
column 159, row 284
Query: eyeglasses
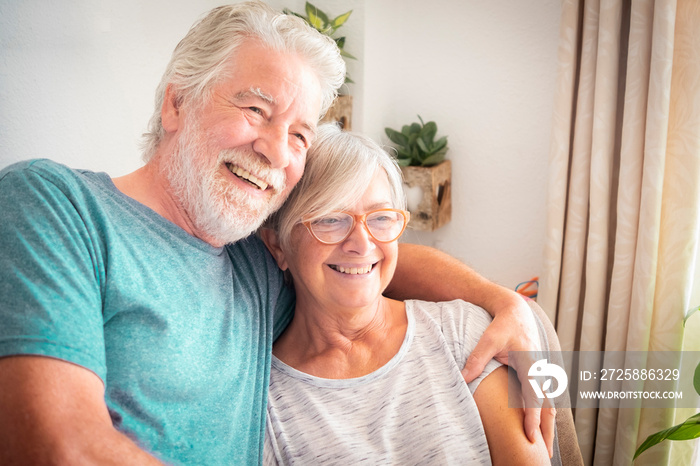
column 384, row 225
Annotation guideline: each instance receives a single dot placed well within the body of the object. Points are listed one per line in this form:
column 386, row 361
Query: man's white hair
column 200, row 59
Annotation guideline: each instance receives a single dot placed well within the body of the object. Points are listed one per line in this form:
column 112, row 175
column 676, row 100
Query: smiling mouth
column 246, row 176
column 352, row 270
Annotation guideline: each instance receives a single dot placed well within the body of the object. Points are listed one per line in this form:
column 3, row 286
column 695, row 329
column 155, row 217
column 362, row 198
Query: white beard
column 221, row 212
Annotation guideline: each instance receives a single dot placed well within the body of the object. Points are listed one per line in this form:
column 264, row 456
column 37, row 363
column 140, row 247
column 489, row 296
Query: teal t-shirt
column 179, row 331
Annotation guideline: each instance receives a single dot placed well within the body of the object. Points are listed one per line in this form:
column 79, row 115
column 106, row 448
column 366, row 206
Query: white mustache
column 255, row 164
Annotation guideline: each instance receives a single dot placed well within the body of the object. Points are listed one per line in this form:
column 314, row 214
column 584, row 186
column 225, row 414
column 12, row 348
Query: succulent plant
column 416, row 144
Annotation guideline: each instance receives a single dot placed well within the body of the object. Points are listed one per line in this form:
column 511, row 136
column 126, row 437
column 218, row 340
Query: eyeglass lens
column 384, row 225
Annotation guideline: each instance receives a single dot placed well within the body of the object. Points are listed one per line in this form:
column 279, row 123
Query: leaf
column 690, row 313
column 340, row 42
column 403, row 162
column 347, row 55
column 440, row 144
column 434, row 159
column 286, row 11
column 428, row 132
column 340, row 20
column 316, row 22
column 415, row 155
column 415, row 129
column 316, row 12
column 396, row 137
column 422, row 146
column 696, row 379
column 403, row 153
column 687, row 430
column 316, row 17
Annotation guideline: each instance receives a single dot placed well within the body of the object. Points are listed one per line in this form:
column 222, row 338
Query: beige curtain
column 624, row 197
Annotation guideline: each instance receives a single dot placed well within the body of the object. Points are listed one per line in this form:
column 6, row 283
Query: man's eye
column 256, row 110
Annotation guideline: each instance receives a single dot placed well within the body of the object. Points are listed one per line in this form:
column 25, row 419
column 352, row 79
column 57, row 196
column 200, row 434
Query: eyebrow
column 256, row 92
column 380, row 205
column 310, row 128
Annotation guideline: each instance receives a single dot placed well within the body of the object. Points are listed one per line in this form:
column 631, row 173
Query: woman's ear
column 271, row 240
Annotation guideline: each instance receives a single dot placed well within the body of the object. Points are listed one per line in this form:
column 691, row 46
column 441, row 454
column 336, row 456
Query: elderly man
column 136, row 320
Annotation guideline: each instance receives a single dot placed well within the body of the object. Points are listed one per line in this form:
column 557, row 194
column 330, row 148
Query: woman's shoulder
column 458, row 323
column 451, row 314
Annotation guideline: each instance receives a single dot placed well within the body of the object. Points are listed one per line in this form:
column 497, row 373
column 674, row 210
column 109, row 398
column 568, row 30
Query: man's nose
column 272, row 143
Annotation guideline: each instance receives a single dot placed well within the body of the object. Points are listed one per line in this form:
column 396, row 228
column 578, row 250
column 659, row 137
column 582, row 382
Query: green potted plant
column 686, row 430
column 416, row 145
column 341, row 111
column 427, row 174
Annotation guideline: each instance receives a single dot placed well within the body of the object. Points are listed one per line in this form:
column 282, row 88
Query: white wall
column 77, row 80
column 485, row 72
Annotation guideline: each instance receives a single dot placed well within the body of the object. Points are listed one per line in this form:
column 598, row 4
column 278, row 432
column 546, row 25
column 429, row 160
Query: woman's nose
column 359, row 241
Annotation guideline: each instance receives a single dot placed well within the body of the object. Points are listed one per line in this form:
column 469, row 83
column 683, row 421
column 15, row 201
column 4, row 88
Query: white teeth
column 353, row 270
column 238, row 171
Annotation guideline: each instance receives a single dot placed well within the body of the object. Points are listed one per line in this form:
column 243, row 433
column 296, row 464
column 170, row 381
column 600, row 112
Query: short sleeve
column 285, row 301
column 266, row 277
column 462, row 325
column 49, row 290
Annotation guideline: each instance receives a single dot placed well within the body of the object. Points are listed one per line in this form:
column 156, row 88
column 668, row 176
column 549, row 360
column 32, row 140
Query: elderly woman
column 360, row 378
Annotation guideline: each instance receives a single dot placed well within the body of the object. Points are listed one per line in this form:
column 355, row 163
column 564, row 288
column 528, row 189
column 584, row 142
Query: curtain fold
column 624, row 202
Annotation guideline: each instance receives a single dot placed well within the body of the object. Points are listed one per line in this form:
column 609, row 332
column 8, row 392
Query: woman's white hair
column 200, row 59
column 339, row 168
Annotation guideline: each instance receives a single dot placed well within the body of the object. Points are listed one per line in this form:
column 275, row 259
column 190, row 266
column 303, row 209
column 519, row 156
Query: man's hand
column 514, row 329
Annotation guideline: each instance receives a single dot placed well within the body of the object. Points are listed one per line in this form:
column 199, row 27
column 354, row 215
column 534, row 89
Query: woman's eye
column 327, row 221
column 300, row 137
column 332, row 221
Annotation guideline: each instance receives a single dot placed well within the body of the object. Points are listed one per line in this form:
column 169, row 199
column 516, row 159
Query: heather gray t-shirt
column 416, row 409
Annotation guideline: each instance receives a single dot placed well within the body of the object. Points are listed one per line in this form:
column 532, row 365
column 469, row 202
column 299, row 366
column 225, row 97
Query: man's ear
column 271, row 240
column 170, row 110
